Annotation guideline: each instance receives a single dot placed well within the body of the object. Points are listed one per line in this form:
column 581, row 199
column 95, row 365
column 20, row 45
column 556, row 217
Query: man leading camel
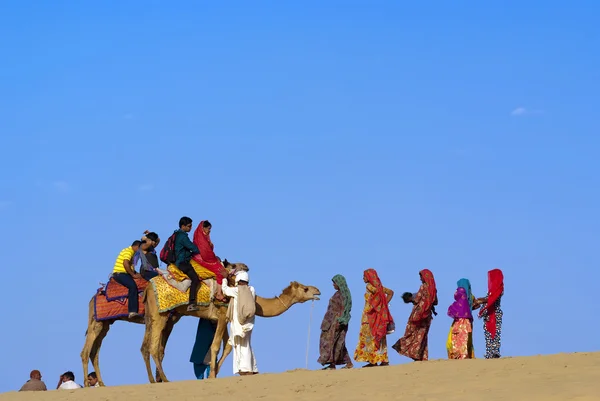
column 241, row 315
column 184, row 250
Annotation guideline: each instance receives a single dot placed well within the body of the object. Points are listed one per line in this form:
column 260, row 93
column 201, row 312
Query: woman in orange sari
column 207, row 258
column 375, row 323
column 414, row 342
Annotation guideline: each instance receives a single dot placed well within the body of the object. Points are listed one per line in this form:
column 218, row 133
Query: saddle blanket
column 117, row 292
column 106, row 310
column 171, row 288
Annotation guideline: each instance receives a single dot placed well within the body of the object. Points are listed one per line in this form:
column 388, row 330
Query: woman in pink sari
column 207, row 258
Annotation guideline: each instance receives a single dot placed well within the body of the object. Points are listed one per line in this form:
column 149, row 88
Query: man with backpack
column 179, row 250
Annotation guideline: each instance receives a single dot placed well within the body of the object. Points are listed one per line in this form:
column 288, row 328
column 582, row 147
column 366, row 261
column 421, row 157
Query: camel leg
column 95, row 353
column 214, row 348
column 166, row 334
column 92, row 333
column 157, row 327
column 226, row 349
column 163, row 344
column 146, row 354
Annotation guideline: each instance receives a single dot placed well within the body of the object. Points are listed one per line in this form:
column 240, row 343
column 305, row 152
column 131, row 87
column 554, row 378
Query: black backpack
column 167, row 254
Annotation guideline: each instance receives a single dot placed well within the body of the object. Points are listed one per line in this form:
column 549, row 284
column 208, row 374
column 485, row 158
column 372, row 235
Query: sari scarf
column 466, row 284
column 340, row 281
column 378, row 316
column 460, row 308
column 207, row 257
column 495, row 291
column 430, row 293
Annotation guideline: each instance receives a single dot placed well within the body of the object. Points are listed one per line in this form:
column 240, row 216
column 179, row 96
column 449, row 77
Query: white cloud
column 62, row 186
column 522, row 111
column 519, row 111
column 146, row 187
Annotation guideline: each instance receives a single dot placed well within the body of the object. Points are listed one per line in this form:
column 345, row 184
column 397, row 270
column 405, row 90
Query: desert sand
column 551, row 377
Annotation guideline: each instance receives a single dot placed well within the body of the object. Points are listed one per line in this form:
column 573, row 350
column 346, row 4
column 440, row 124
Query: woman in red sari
column 414, row 342
column 491, row 312
column 375, row 323
column 207, row 257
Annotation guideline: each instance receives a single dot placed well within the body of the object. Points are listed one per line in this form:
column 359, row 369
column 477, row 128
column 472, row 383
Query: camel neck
column 270, row 307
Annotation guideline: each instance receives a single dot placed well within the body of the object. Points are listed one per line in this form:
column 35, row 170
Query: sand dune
column 553, row 377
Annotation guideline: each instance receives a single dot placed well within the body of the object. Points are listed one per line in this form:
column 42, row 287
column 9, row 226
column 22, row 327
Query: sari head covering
column 340, row 281
column 460, row 308
column 466, row 284
column 207, row 257
column 378, row 315
column 429, row 295
column 495, row 291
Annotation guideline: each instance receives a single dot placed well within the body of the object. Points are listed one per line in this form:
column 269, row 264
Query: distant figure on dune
column 376, row 322
column 201, row 352
column 93, row 380
column 241, row 314
column 124, row 274
column 414, row 343
column 67, row 382
column 492, row 313
column 460, row 337
column 334, row 327
column 34, row 383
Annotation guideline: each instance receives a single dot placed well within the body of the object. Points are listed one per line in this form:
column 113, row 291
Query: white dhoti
column 243, row 355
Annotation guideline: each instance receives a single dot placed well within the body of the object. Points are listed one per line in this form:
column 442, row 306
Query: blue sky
column 319, row 138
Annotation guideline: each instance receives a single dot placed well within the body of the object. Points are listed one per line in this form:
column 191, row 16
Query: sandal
column 369, row 365
column 348, row 367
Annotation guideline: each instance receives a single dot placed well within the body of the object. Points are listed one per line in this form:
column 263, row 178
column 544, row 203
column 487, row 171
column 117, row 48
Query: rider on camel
column 207, row 257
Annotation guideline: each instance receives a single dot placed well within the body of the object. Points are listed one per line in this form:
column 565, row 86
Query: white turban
column 242, row 276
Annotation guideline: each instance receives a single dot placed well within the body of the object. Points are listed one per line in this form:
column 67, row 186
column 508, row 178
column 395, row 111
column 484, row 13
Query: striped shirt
column 126, row 254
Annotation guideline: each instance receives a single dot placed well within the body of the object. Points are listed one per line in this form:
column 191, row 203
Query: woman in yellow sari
column 376, row 323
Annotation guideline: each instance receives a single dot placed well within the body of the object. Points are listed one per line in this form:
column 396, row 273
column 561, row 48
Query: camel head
column 233, row 268
column 301, row 293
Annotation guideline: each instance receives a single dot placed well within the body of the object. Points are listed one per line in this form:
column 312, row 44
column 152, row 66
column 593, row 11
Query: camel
column 158, row 326
column 97, row 331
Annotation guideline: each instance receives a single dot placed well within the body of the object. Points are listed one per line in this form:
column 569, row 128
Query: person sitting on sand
column 241, row 316
column 332, row 345
column 207, row 258
column 124, row 274
column 93, row 380
column 491, row 312
column 184, row 250
column 67, row 381
column 34, row 383
column 145, row 259
column 376, row 322
column 414, row 342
